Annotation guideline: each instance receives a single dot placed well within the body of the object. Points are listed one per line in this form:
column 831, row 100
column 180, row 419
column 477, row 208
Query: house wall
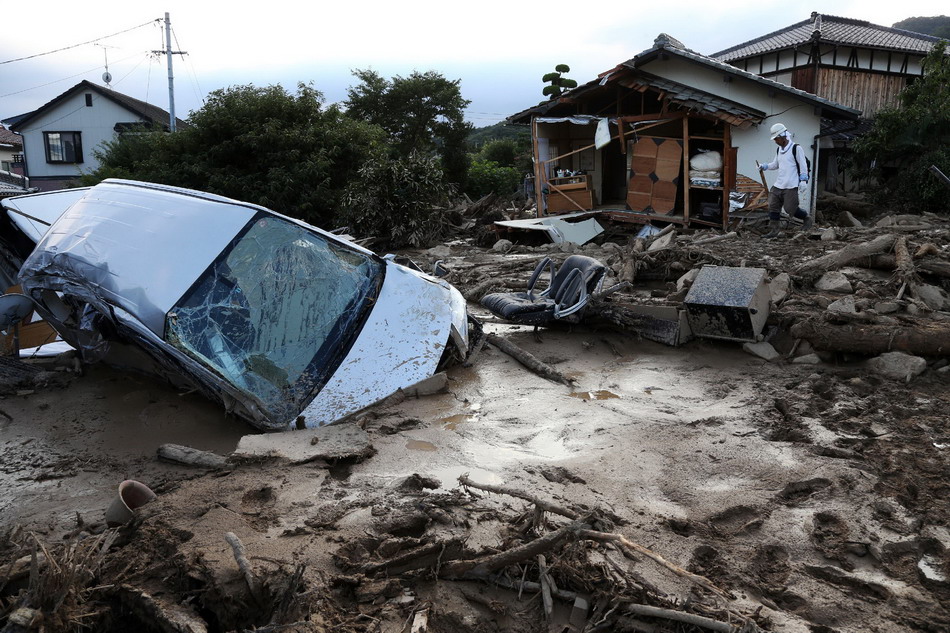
column 860, row 78
column 753, row 143
column 96, row 123
column 6, row 156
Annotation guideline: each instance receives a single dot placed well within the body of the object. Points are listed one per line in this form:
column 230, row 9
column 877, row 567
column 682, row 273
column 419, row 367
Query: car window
column 274, row 314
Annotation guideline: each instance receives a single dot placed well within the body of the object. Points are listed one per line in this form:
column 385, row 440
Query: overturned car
column 278, row 320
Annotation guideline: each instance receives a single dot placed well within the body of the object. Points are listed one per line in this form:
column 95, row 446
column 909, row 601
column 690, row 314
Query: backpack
column 798, row 168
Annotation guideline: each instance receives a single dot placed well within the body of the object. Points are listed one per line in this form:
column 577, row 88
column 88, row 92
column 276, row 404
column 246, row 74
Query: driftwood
column 716, row 238
column 162, row 615
column 924, row 338
column 687, row 618
column 547, row 506
column 626, row 546
column 889, row 262
column 191, row 456
column 483, row 566
column 247, row 570
column 849, row 254
column 857, row 207
column 528, row 360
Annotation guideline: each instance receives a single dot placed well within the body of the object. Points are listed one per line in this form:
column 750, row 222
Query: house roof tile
column 830, row 29
column 9, row 138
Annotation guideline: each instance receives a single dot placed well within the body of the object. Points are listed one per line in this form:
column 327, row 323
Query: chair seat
column 516, row 306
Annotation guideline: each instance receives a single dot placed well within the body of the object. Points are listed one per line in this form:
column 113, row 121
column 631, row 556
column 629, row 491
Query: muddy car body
column 275, row 318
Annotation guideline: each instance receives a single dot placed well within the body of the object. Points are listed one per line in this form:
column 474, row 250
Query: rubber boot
column 808, row 223
column 775, row 229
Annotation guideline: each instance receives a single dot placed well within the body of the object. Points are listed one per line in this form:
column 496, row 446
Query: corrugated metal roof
column 830, row 29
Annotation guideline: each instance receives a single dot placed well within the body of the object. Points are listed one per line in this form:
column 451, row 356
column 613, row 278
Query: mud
column 817, row 496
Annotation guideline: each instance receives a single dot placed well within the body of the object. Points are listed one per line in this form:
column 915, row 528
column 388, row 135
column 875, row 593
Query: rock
column 844, row 305
column 341, row 441
column 807, row 359
column 897, row 365
column 762, row 350
column 687, row 280
column 887, row 307
column 502, row 246
column 779, row 287
column 934, row 297
column 828, row 235
column 567, row 247
column 834, row 281
column 439, row 252
column 845, row 219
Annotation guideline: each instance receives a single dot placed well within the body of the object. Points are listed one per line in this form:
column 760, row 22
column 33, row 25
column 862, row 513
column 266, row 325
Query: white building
column 60, row 136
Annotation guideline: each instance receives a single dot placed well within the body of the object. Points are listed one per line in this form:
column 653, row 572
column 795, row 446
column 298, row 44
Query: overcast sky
column 498, row 50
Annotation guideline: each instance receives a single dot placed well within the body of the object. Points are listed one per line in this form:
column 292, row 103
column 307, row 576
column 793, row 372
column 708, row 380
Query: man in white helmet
column 792, row 166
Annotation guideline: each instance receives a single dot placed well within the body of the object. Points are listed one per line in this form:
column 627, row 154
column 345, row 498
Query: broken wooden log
column 889, row 262
column 716, row 238
column 480, row 568
column 191, row 456
column 848, row 254
column 921, row 338
column 161, row 614
column 547, row 506
column 688, row 618
column 247, row 570
column 546, row 598
column 529, row 360
column 628, row 547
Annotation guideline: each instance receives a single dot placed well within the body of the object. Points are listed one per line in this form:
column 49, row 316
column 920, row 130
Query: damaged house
column 852, row 62
column 670, row 135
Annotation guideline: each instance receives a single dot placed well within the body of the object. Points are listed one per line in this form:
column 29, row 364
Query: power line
column 66, row 48
column 56, row 81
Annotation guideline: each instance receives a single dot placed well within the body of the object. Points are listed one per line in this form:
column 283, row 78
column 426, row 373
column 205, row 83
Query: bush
column 487, row 176
column 260, row 145
column 395, row 200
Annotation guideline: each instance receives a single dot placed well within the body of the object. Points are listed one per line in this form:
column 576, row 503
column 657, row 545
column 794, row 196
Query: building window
column 88, row 100
column 6, row 165
column 63, row 147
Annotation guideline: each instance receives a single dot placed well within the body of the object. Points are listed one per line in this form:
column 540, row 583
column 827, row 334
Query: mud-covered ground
column 811, row 498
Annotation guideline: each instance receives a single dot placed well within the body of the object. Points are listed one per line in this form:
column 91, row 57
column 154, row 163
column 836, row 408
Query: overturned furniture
column 728, row 303
column 565, row 298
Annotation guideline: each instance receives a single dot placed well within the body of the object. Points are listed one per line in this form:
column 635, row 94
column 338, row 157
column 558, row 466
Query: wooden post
column 538, row 167
column 686, row 169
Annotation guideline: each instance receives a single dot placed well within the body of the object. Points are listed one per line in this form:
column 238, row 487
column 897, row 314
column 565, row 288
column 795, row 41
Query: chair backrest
column 591, row 269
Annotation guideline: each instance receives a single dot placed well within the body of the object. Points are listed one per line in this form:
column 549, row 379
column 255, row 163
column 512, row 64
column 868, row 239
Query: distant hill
column 938, row 25
column 481, row 135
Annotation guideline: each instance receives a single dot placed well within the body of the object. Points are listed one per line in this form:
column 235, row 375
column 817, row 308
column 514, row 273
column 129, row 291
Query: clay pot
column 132, row 494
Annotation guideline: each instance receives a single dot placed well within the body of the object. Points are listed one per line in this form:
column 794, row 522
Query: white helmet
column 777, row 130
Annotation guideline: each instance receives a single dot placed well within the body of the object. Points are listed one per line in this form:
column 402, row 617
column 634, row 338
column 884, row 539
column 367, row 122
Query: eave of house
column 675, row 94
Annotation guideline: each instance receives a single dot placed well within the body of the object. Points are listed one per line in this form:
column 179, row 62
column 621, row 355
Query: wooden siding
column 868, row 92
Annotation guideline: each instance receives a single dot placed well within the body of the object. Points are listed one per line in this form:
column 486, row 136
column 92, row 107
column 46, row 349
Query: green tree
column 395, row 200
column 938, row 25
column 487, row 176
column 267, row 146
column 558, row 83
column 423, row 113
column 905, row 140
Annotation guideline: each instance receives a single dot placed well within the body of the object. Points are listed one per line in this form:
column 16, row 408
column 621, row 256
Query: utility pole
column 168, row 52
